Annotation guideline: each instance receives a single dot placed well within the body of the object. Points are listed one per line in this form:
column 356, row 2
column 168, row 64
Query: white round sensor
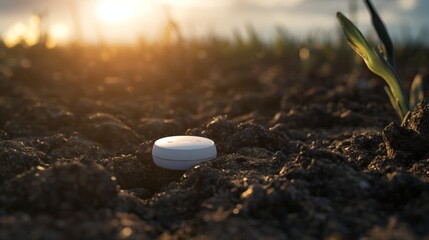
column 182, row 152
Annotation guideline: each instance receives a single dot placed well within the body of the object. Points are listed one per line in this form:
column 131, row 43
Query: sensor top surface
column 184, row 142
column 182, row 152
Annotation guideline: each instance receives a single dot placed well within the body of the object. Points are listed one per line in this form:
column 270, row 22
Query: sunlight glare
column 28, row 34
column 15, row 35
column 180, row 2
column 60, row 32
column 115, row 11
column 276, row 3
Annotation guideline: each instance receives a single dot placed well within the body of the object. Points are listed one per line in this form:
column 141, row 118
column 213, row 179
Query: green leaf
column 376, row 63
column 359, row 44
column 405, row 119
column 381, row 32
column 394, row 101
column 416, row 92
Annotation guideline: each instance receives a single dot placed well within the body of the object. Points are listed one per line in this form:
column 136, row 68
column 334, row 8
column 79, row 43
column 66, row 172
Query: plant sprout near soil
column 382, row 62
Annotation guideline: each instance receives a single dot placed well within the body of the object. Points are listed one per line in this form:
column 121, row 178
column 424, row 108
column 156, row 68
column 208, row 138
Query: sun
column 115, row 11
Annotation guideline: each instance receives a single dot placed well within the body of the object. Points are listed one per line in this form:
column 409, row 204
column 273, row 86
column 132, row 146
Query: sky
column 405, row 19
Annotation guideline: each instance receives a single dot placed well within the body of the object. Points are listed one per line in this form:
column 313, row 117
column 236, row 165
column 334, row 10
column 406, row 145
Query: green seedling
column 381, row 62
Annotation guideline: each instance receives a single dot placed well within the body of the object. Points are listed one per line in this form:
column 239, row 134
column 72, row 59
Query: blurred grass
column 147, row 65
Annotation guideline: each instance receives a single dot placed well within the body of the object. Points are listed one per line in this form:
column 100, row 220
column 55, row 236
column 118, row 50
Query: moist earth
column 300, row 156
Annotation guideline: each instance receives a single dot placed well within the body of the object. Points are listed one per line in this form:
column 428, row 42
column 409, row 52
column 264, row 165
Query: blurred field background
column 119, row 47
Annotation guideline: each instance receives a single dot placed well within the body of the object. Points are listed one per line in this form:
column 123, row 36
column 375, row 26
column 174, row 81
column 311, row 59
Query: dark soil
column 299, row 156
